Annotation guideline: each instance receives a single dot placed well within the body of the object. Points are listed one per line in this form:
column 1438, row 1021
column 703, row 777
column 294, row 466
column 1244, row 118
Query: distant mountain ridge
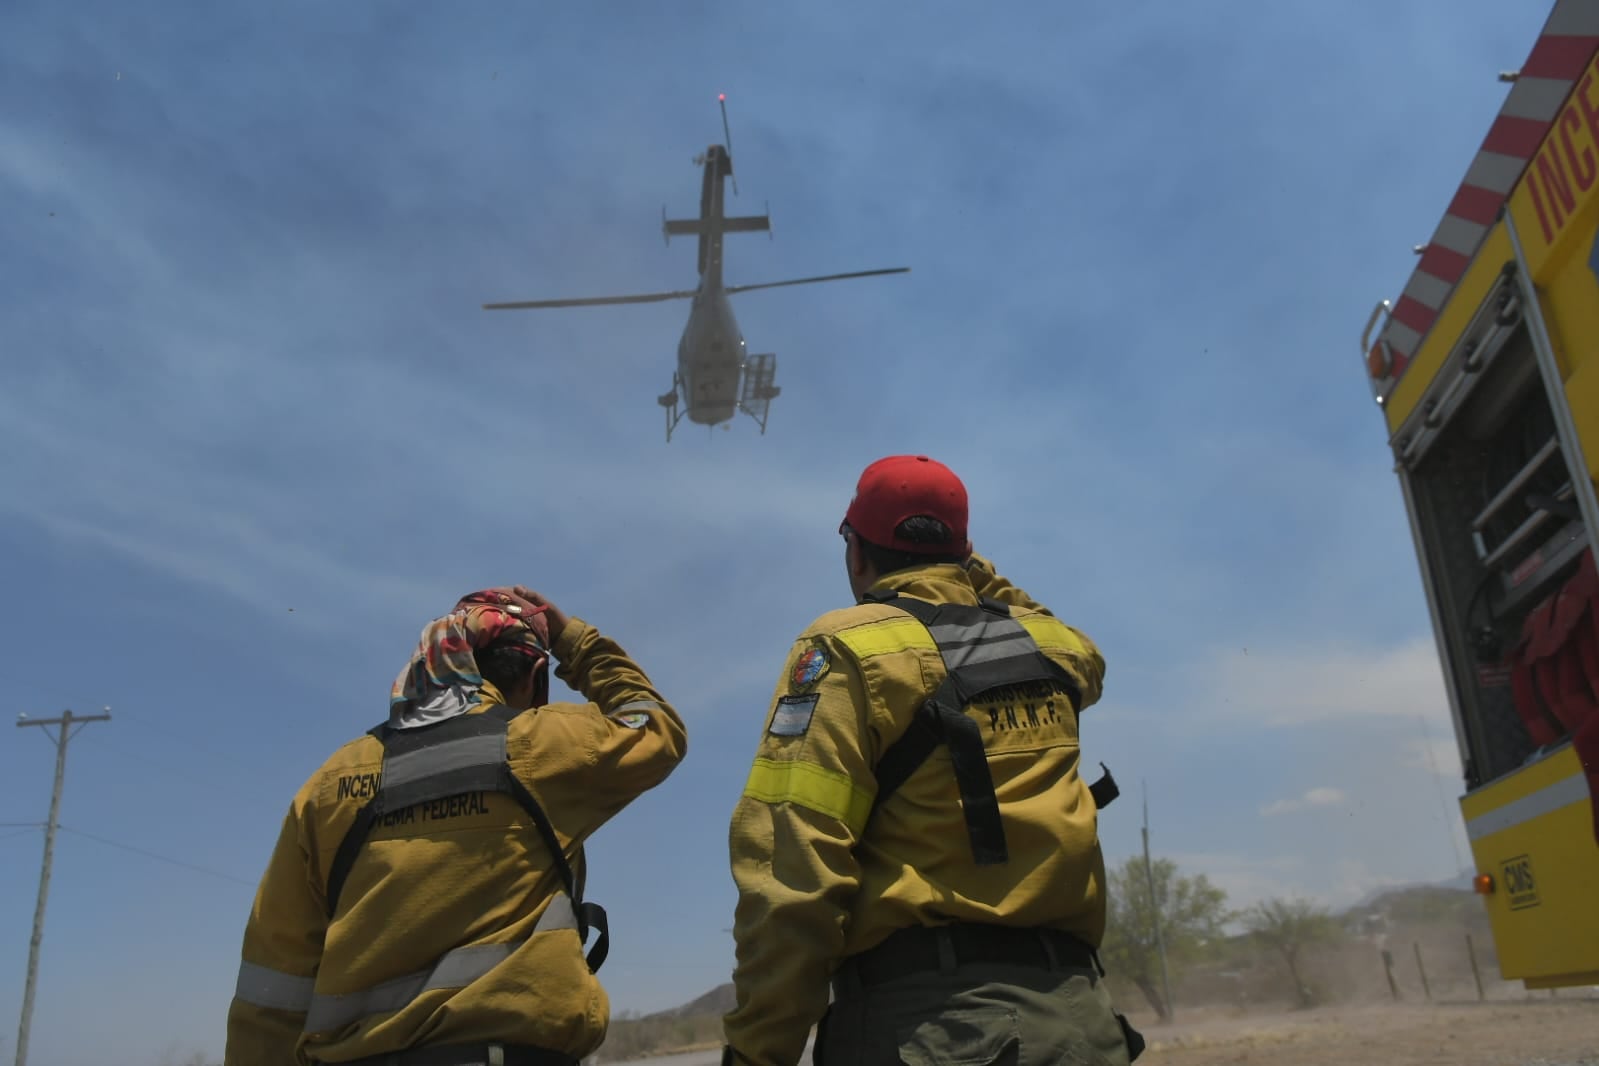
column 1461, row 882
column 718, row 1001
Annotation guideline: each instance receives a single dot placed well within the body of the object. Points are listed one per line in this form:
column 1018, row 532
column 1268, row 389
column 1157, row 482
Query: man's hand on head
column 531, row 601
column 542, row 616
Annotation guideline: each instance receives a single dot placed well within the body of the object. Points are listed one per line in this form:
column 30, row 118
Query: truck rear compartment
column 1494, row 497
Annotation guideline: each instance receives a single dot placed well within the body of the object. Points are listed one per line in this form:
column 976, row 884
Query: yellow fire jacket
column 453, row 925
column 817, row 883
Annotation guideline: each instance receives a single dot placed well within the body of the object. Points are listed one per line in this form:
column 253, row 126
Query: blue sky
column 255, row 430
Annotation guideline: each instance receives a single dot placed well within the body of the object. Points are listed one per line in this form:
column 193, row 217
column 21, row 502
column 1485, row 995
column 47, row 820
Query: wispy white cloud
column 1316, row 797
column 1438, row 755
column 1284, row 687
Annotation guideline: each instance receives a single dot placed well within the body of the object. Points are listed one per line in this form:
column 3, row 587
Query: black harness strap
column 589, row 915
column 984, row 649
column 463, row 754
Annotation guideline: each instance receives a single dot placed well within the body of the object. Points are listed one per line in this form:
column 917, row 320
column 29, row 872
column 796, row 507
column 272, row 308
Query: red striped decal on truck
column 1568, row 41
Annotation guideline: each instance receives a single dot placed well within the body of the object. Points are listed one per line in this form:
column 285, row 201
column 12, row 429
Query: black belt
column 469, row 1055
column 916, row 950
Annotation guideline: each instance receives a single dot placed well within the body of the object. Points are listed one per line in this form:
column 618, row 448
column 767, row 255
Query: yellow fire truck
column 1486, row 369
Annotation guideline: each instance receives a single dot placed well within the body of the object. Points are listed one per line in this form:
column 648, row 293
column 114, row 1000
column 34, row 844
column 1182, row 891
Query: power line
column 66, row 734
column 20, row 832
column 162, row 858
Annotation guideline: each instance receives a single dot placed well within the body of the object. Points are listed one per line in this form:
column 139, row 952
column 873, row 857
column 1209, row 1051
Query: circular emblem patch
column 811, row 666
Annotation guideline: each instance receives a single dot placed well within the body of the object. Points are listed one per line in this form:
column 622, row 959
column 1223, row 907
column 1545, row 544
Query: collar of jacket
column 488, row 695
column 935, row 583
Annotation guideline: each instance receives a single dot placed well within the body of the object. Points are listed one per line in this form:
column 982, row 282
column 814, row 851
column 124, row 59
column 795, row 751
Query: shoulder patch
column 792, row 717
column 634, row 719
column 809, row 668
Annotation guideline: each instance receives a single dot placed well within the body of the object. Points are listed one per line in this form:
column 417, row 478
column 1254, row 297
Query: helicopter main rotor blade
column 727, row 141
column 592, row 301
column 824, row 277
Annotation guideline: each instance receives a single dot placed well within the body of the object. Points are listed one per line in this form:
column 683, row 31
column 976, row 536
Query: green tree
column 1191, row 910
column 1290, row 926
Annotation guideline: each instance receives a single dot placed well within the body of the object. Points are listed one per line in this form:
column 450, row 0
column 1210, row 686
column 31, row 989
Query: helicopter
column 716, row 377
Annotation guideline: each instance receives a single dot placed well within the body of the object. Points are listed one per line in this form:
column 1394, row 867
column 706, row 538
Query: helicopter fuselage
column 710, row 354
column 710, row 359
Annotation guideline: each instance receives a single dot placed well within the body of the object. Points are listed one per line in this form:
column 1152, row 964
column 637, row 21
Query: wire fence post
column 1388, row 968
column 1476, row 974
column 1425, row 987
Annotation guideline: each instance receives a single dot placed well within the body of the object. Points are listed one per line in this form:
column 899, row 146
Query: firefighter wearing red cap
column 915, row 835
column 425, row 901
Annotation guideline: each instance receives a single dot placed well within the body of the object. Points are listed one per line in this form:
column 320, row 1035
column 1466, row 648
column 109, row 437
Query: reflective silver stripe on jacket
column 260, row 986
column 457, row 969
column 989, row 640
column 442, row 758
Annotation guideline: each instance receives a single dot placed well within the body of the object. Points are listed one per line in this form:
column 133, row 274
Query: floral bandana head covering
column 442, row 678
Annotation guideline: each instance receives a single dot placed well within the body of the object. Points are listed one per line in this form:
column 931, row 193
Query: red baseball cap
column 904, row 486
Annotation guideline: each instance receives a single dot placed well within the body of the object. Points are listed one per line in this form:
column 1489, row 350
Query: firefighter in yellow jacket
column 915, row 830
column 424, row 904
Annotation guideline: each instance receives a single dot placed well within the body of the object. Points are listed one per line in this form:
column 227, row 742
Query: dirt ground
column 1538, row 1030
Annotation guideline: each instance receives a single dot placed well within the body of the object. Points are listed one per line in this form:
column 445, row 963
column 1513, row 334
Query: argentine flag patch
column 793, row 715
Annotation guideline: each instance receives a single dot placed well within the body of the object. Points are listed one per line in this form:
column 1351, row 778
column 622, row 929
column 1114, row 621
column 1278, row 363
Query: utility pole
column 65, row 722
column 1154, row 911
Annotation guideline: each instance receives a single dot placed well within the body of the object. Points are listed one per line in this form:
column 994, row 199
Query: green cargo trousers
column 973, row 1015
